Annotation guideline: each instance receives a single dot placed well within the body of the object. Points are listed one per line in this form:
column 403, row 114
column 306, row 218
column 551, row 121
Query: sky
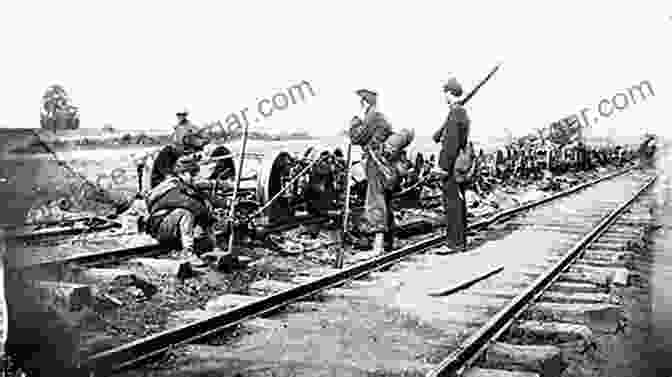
column 133, row 64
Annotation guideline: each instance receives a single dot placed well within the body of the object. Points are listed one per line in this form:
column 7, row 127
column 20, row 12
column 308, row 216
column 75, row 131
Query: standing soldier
column 519, row 167
column 453, row 136
column 382, row 155
column 186, row 135
column 378, row 216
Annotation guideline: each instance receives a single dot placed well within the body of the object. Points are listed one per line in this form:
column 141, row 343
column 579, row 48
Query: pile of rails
column 290, row 188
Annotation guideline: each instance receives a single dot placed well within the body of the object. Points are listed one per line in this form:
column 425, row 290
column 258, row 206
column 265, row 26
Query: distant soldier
column 550, row 158
column 177, row 207
column 646, row 151
column 519, row 167
column 501, row 163
column 581, row 156
column 186, row 139
column 453, row 136
column 621, row 156
column 185, row 133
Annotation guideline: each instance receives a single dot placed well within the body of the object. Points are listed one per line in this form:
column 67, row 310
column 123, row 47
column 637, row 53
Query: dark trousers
column 378, row 214
column 455, row 209
column 389, row 220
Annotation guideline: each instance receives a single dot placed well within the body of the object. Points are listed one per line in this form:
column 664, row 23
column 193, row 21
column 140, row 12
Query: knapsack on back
column 362, row 131
column 463, row 170
column 359, row 133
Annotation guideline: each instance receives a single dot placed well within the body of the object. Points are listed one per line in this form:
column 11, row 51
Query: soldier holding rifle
column 453, row 136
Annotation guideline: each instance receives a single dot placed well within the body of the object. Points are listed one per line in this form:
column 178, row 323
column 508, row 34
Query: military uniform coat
column 453, row 136
column 174, row 194
column 378, row 211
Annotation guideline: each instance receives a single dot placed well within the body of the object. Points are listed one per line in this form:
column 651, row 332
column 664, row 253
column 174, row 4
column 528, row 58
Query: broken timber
column 467, row 284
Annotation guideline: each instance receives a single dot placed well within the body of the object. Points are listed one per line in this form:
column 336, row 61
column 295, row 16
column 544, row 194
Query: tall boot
column 188, row 241
column 379, row 243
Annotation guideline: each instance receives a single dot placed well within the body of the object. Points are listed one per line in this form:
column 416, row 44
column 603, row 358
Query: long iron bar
column 346, row 212
column 27, row 233
column 457, row 361
column 146, row 348
column 236, row 188
column 229, row 157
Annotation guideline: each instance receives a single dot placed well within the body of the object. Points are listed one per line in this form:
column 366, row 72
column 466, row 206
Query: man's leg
column 177, row 230
column 186, row 233
column 463, row 222
column 376, row 210
column 186, row 230
column 455, row 211
column 389, row 235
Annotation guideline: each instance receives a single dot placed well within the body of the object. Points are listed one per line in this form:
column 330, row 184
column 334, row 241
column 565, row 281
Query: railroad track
column 209, row 324
column 55, row 235
column 588, row 261
column 152, row 249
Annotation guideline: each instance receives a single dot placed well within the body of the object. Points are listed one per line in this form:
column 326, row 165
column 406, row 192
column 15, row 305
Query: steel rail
column 95, row 258
column 149, row 347
column 150, row 249
column 153, row 249
column 27, row 233
column 457, row 362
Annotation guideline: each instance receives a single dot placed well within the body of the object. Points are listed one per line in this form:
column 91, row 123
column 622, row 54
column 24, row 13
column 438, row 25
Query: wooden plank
column 467, row 284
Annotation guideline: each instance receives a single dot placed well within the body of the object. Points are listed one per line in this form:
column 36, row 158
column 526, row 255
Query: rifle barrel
column 466, row 99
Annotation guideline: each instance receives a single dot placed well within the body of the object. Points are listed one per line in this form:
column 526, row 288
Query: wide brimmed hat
column 367, row 94
column 183, row 112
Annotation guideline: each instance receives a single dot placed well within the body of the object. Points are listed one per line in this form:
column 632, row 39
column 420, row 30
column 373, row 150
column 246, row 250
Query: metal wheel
column 225, row 166
column 269, row 182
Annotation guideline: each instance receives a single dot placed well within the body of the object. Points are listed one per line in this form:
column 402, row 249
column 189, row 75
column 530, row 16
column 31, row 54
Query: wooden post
column 346, row 213
column 236, row 188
